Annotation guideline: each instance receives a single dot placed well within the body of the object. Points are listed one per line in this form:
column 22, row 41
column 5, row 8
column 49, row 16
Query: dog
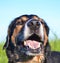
column 27, row 40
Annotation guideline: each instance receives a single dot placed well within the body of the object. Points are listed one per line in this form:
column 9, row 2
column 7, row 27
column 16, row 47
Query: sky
column 49, row 10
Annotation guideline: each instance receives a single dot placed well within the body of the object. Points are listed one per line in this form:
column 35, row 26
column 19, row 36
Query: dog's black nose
column 34, row 24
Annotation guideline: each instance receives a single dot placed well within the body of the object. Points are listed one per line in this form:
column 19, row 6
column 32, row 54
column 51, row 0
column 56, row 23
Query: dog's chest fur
column 35, row 59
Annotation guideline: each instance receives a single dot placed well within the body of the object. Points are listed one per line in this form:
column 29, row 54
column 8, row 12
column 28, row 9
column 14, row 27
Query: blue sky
column 49, row 10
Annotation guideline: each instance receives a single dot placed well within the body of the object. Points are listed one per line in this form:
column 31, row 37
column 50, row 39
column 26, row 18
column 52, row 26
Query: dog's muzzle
column 30, row 39
column 33, row 25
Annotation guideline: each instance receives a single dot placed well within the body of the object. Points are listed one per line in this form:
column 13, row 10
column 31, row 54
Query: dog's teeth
column 24, row 42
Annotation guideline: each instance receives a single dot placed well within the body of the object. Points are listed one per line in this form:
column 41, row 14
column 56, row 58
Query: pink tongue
column 32, row 44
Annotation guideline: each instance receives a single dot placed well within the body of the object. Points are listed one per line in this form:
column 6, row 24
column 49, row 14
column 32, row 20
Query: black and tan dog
column 27, row 40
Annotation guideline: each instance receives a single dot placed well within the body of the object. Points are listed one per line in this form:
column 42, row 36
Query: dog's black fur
column 50, row 56
column 53, row 57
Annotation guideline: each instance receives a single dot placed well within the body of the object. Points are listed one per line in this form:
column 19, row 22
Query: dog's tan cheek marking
column 45, row 37
column 15, row 33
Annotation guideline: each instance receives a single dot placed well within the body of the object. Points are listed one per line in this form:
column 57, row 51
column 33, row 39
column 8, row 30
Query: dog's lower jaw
column 22, row 58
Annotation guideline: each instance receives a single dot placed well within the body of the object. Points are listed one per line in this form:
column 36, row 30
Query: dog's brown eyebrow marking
column 24, row 18
column 35, row 17
column 39, row 19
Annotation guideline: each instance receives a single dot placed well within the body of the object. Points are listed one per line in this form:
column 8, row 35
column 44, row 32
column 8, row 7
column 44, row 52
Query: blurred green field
column 3, row 57
column 55, row 45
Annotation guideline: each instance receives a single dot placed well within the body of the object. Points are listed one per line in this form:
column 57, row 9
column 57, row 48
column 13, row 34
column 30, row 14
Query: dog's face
column 28, row 33
column 30, row 37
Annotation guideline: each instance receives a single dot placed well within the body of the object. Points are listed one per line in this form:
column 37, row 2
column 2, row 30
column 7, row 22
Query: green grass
column 3, row 57
column 55, row 45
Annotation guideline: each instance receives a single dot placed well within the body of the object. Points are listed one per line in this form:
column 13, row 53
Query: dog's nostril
column 33, row 23
column 37, row 23
column 30, row 24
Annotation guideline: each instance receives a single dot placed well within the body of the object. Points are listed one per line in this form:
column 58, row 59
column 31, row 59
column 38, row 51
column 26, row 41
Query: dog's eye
column 20, row 23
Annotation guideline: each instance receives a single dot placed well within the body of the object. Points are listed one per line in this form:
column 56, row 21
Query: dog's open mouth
column 33, row 42
column 32, row 45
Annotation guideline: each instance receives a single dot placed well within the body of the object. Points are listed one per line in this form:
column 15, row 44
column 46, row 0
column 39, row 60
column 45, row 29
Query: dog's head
column 28, row 33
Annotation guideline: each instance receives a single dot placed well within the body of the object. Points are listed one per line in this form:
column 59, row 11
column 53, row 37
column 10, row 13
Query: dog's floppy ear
column 6, row 43
column 8, row 38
